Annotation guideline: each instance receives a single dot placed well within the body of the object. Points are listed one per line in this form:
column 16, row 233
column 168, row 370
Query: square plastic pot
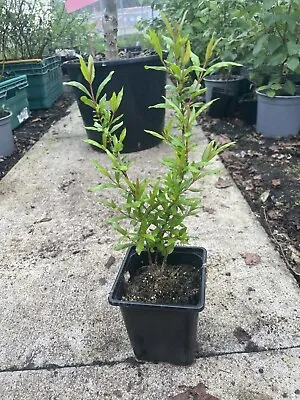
column 161, row 332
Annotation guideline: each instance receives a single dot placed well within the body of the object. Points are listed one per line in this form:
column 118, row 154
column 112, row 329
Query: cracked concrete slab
column 260, row 376
column 54, row 276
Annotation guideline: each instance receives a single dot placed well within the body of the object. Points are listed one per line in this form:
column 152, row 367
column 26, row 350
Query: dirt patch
column 267, row 171
column 164, row 285
column 26, row 135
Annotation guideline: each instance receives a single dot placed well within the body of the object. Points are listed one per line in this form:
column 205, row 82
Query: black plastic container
column 161, row 332
column 224, row 107
column 142, row 88
column 248, row 111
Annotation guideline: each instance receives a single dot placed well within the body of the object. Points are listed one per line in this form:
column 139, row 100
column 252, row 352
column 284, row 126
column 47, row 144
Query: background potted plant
column 142, row 88
column 276, row 60
column 160, row 286
column 30, row 32
column 7, row 145
column 226, row 19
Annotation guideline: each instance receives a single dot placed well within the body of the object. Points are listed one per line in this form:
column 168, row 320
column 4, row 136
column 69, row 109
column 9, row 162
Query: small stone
column 285, row 395
column 261, row 370
column 227, row 273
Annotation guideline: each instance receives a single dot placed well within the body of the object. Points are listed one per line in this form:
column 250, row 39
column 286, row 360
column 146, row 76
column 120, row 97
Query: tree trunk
column 110, row 28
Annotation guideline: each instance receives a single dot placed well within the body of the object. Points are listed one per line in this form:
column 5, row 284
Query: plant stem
column 110, row 27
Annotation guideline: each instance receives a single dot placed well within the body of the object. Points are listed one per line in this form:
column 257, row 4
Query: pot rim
column 192, row 308
column 209, row 78
column 297, row 96
column 120, row 61
column 6, row 116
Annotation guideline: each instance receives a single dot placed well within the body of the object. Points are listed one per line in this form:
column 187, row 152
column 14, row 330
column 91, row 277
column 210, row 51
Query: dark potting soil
column 267, row 171
column 27, row 134
column 164, row 285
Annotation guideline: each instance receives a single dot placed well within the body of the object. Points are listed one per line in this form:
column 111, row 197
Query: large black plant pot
column 248, row 111
column 142, row 88
column 161, row 332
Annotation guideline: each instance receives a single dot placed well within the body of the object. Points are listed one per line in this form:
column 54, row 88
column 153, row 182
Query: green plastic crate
column 45, row 81
column 13, row 95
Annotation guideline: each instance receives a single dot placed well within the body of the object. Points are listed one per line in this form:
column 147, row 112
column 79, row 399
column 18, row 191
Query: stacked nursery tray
column 44, row 77
column 13, row 95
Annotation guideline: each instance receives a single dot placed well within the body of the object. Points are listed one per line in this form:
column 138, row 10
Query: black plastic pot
column 142, row 88
column 248, row 111
column 161, row 332
column 224, row 107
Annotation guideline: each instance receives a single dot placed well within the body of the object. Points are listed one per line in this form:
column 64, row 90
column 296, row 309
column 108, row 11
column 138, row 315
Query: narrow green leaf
column 88, row 102
column 187, row 55
column 156, row 43
column 79, row 86
column 84, row 70
column 156, row 68
column 158, row 135
column 91, row 68
column 103, row 84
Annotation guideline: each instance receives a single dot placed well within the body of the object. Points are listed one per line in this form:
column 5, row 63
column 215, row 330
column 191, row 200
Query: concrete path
column 59, row 338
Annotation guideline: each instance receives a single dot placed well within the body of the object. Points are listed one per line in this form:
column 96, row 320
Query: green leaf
column 113, row 102
column 123, row 246
column 277, row 58
column 103, row 171
column 158, row 135
column 103, row 84
column 274, row 43
column 167, row 23
column 156, row 43
column 102, row 186
column 293, row 63
column 140, row 246
column 84, row 70
column 293, row 48
column 289, row 87
column 79, row 86
column 119, row 229
column 259, row 45
column 269, row 3
column 187, row 55
column 220, row 65
column 88, row 102
column 91, row 68
column 195, row 60
column 156, row 68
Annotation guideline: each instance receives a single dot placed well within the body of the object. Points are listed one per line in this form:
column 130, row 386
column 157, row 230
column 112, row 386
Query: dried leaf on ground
column 223, row 183
column 274, row 214
column 228, row 155
column 223, row 139
column 241, row 335
column 194, row 393
column 264, row 196
column 276, row 182
column 251, row 258
column 111, row 260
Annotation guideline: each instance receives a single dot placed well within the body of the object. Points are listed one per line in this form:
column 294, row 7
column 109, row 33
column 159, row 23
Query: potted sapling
column 160, row 286
column 142, row 88
column 276, row 61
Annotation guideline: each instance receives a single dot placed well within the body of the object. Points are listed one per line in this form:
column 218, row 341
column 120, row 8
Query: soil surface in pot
column 267, row 171
column 164, row 285
column 27, row 134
